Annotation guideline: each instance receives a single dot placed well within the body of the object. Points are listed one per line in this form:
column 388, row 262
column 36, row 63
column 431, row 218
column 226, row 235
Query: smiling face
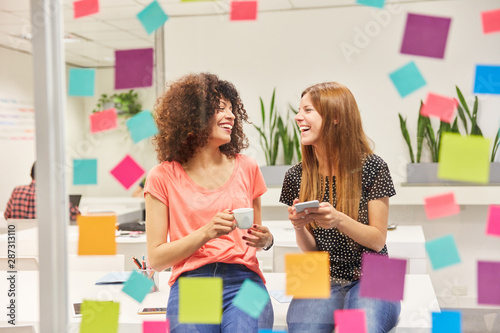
column 309, row 121
column 224, row 122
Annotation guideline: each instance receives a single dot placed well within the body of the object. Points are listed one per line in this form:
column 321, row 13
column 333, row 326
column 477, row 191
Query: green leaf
column 463, row 102
column 421, row 127
column 462, row 117
column 406, row 136
column 495, row 146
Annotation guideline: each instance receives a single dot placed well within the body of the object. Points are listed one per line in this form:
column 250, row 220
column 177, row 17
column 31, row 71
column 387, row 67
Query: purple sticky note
column 134, row 68
column 425, row 35
column 155, row 326
column 382, row 277
column 103, row 120
column 493, row 222
column 350, row 321
column 127, row 172
column 488, row 288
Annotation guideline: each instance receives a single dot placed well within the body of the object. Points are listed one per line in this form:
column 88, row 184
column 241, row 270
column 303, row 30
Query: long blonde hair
column 345, row 145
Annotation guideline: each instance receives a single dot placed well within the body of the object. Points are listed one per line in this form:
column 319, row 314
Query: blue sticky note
column 447, row 322
column 81, row 82
column 487, row 80
column 141, row 126
column 251, row 298
column 138, row 286
column 85, row 172
column 152, row 17
column 442, row 252
column 407, row 79
column 371, row 3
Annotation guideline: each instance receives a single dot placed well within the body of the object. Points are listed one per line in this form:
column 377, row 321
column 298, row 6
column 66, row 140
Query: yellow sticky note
column 99, row 317
column 200, row 300
column 308, row 275
column 464, row 158
column 96, row 234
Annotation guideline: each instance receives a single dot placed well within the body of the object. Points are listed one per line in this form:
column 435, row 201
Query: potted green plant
column 426, row 172
column 126, row 104
column 274, row 132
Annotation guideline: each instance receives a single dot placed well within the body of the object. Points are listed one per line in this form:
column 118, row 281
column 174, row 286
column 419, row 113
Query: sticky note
column 156, row 326
column 127, row 172
column 243, row 11
column 442, row 252
column 81, row 82
column 407, row 79
column 142, row 126
column 99, row 316
column 382, row 277
column 447, row 321
column 491, row 21
column 488, row 288
column 137, row 286
column 134, row 68
column 152, row 17
column 85, row 172
column 103, row 121
column 308, row 275
column 439, row 106
column 441, row 205
column 350, row 321
column 464, row 158
column 251, row 298
column 493, row 221
column 425, row 35
column 96, row 234
column 200, row 300
column 487, row 80
column 85, row 7
column 371, row 3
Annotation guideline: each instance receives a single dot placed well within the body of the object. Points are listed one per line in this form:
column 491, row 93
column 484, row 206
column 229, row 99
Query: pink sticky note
column 493, row 221
column 103, row 120
column 439, row 106
column 441, row 205
column 155, row 326
column 488, row 288
column 243, row 10
column 85, row 8
column 491, row 21
column 382, row 277
column 127, row 172
column 349, row 321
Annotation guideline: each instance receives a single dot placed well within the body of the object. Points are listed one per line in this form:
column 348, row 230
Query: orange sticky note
column 308, row 275
column 96, row 234
column 439, row 106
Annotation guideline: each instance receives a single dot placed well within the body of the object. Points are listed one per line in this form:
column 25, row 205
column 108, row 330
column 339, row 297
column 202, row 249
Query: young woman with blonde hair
column 353, row 186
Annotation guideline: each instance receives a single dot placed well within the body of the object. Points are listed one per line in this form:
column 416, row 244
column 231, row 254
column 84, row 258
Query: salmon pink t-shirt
column 191, row 206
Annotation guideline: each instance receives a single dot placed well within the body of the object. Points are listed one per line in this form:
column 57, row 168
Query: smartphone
column 299, row 207
column 76, row 310
column 152, row 310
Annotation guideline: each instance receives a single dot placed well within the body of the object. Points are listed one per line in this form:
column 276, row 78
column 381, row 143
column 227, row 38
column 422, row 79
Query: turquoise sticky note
column 138, row 286
column 251, row 298
column 371, row 3
column 81, row 82
column 442, row 252
column 152, row 17
column 85, row 172
column 141, row 126
column 407, row 79
column 447, row 322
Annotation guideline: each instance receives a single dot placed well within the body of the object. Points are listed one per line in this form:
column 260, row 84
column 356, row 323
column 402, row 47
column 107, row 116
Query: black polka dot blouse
column 345, row 253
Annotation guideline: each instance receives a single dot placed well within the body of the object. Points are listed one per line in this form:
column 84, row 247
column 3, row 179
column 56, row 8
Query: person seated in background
column 22, row 202
column 139, row 191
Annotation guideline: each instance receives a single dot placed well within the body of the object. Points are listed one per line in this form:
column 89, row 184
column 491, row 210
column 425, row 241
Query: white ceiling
column 116, row 27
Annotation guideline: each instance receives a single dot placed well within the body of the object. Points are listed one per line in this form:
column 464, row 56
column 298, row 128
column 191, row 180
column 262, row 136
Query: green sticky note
column 142, row 126
column 442, row 252
column 84, row 172
column 99, row 317
column 81, row 82
column 152, row 17
column 200, row 300
column 464, row 158
column 138, row 285
column 251, row 298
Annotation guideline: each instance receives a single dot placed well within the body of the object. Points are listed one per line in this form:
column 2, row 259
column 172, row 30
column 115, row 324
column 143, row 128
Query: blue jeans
column 233, row 319
column 316, row 315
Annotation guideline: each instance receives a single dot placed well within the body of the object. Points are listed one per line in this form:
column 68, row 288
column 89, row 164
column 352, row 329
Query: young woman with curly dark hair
column 190, row 196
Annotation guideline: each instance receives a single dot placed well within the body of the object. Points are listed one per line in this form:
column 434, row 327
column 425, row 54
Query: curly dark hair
column 185, row 117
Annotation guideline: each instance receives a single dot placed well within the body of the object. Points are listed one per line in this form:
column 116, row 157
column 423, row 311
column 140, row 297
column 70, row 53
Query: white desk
column 127, row 209
column 419, row 300
column 407, row 242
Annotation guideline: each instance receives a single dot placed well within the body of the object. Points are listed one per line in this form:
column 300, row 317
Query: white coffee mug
column 243, row 217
